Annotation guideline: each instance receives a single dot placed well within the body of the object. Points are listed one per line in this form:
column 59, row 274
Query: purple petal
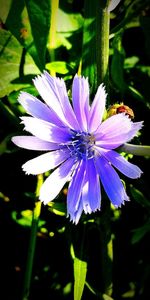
column 59, row 88
column 75, row 190
column 49, row 89
column 48, row 94
column 45, row 162
column 80, row 98
column 116, row 131
column 75, row 216
column 97, row 108
column 39, row 110
column 128, row 169
column 135, row 128
column 91, row 194
column 111, row 182
column 45, row 130
column 34, row 143
column 114, row 126
column 55, row 182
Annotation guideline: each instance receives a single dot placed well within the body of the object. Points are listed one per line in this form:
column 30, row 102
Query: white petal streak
column 38, row 109
column 34, row 143
column 55, row 182
column 114, row 126
column 45, row 162
column 80, row 98
column 59, row 89
column 97, row 108
column 45, row 130
column 34, row 107
column 91, row 195
column 49, row 95
column 75, row 189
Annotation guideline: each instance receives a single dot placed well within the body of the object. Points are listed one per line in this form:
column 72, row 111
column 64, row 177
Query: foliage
column 25, row 51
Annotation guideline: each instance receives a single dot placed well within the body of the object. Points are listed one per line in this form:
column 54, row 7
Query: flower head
column 80, row 147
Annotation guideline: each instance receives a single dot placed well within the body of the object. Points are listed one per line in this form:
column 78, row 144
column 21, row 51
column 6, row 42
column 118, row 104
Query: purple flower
column 80, row 147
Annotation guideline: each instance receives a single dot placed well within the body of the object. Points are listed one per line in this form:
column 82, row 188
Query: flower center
column 81, row 145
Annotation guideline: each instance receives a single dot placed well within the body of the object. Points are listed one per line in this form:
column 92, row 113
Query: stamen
column 81, row 145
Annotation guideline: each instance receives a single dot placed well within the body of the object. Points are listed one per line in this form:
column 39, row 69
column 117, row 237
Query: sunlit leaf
column 67, row 25
column 60, row 67
column 106, row 297
column 80, row 270
column 25, row 218
column 130, row 62
column 20, row 27
column 57, row 208
column 10, row 55
column 68, row 22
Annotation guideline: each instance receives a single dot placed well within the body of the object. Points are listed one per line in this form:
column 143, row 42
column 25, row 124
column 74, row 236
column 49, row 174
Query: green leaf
column 25, row 218
column 139, row 197
column 57, row 208
column 130, row 62
column 68, row 22
column 60, row 67
column 106, row 297
column 10, row 55
column 39, row 16
column 137, row 95
column 80, row 270
column 140, row 232
column 5, row 7
column 67, row 25
column 20, row 27
column 132, row 11
column 89, row 67
column 117, row 64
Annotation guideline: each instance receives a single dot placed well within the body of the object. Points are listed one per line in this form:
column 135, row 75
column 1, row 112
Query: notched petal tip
column 44, row 201
column 26, row 170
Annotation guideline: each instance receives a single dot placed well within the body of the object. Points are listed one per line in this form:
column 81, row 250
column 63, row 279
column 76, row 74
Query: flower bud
column 120, row 108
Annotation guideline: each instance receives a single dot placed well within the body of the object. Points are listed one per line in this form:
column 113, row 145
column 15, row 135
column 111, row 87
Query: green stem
column 135, row 149
column 52, row 35
column 102, row 61
column 102, row 44
column 32, row 242
column 95, row 50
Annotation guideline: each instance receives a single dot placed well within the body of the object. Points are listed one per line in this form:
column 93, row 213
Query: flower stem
column 102, row 61
column 52, row 34
column 95, row 50
column 135, row 149
column 32, row 242
column 102, row 44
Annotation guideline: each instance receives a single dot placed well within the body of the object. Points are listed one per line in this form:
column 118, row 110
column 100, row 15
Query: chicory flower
column 79, row 145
